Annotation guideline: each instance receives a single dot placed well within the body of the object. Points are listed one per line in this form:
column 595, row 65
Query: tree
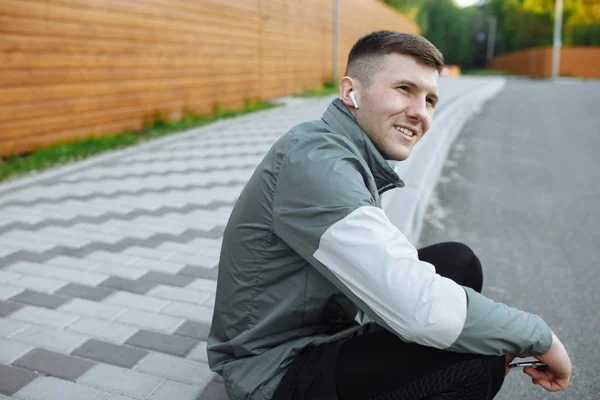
column 461, row 33
column 448, row 28
column 583, row 25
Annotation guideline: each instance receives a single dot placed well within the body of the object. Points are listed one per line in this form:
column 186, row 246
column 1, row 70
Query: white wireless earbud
column 353, row 98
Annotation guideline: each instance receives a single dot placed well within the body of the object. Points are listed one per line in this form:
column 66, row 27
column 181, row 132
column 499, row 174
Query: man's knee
column 455, row 261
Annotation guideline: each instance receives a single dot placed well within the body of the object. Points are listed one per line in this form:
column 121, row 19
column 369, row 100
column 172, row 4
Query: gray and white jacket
column 308, row 256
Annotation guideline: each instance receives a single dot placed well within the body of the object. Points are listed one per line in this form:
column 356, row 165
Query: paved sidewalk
column 107, row 275
column 108, row 267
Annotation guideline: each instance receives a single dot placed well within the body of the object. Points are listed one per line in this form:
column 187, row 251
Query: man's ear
column 347, row 85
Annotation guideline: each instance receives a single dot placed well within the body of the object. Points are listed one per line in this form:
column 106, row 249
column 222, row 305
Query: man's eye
column 405, row 88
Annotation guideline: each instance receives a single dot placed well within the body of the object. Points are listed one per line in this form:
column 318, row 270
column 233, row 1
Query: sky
column 465, row 3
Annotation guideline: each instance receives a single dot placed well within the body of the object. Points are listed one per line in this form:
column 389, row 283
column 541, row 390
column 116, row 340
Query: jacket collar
column 340, row 120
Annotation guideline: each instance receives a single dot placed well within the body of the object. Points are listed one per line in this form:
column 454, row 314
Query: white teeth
column 405, row 131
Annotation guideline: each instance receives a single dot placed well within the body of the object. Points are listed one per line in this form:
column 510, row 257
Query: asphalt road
column 521, row 186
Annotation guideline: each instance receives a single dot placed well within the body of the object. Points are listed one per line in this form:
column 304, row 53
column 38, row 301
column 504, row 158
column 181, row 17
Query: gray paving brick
column 58, row 272
column 92, row 309
column 180, row 248
column 38, row 283
column 51, row 339
column 40, row 299
column 54, row 364
column 179, row 294
column 122, row 381
column 100, row 329
column 189, row 311
column 157, row 265
column 43, row 316
column 210, row 301
column 112, row 258
column 8, row 307
column 8, row 291
column 71, row 262
column 199, row 272
column 193, row 329
column 138, row 251
column 7, row 277
column 214, row 390
column 140, row 302
column 205, row 285
column 48, row 388
column 11, row 350
column 95, row 266
column 122, row 356
column 75, row 275
column 128, row 285
column 85, row 292
column 27, row 268
column 9, row 327
column 151, row 321
column 12, row 379
column 176, row 390
column 18, row 239
column 113, row 396
column 208, row 260
column 23, row 255
column 170, row 344
column 4, row 250
column 123, row 270
column 187, row 258
column 176, row 368
column 198, row 353
column 168, row 279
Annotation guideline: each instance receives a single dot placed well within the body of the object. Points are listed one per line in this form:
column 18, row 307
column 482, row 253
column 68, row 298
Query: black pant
column 378, row 365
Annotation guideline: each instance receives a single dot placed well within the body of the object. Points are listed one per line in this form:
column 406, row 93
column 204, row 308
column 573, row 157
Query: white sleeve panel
column 380, row 266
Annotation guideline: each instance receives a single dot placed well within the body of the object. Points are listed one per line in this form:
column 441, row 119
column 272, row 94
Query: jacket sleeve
column 323, row 209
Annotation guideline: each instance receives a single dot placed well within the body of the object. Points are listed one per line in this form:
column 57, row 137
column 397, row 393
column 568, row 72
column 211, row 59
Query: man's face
column 397, row 108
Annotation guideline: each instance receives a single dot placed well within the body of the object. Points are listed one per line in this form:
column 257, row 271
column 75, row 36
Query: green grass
column 328, row 89
column 62, row 153
column 486, row 72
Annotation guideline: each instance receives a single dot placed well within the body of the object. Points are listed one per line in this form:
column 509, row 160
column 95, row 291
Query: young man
column 319, row 296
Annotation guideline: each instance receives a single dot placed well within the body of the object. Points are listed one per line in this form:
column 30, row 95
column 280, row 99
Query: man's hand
column 556, row 374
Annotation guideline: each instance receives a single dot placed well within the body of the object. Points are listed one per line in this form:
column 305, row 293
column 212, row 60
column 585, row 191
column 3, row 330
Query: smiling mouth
column 406, row 132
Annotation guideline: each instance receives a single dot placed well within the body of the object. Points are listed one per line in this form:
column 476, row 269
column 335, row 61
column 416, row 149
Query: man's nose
column 418, row 110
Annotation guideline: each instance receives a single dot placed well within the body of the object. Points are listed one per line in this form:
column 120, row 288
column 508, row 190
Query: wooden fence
column 575, row 61
column 77, row 68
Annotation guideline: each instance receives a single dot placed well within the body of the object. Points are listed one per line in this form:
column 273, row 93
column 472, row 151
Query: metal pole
column 558, row 17
column 491, row 40
column 336, row 39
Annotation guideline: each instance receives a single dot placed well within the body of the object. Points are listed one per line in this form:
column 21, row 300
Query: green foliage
column 62, row 153
column 410, row 8
column 486, row 72
column 327, row 89
column 461, row 33
column 583, row 26
column 529, row 23
column 448, row 28
column 523, row 28
column 583, row 34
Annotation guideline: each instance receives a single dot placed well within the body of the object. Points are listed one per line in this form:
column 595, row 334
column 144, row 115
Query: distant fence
column 78, row 68
column 579, row 61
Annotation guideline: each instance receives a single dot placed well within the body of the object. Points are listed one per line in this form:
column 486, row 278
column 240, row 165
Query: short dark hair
column 366, row 54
